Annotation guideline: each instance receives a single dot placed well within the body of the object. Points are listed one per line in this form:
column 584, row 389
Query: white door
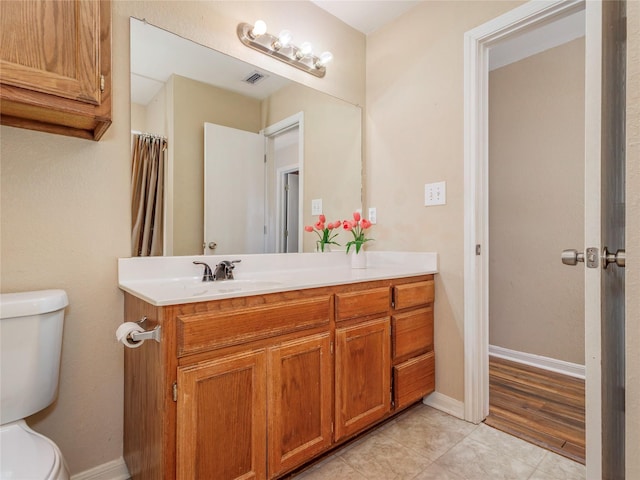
column 604, row 228
column 234, row 186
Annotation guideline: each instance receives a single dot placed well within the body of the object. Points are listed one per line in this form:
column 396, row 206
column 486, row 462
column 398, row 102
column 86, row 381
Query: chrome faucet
column 208, row 274
column 224, row 270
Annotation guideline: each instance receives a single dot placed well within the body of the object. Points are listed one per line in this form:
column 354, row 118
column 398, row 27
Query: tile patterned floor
column 426, row 444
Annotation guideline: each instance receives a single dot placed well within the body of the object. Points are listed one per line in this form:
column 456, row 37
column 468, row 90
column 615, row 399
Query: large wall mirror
column 247, row 150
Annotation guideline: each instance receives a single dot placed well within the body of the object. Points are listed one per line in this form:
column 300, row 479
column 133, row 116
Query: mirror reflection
column 246, row 150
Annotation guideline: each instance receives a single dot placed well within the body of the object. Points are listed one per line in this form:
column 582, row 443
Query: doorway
column 535, row 187
column 284, row 147
column 598, row 133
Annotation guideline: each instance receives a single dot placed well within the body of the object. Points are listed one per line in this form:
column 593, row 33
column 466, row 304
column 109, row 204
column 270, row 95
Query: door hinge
column 478, row 249
column 331, row 347
column 331, row 427
column 174, row 389
column 265, row 158
column 102, row 83
column 265, row 229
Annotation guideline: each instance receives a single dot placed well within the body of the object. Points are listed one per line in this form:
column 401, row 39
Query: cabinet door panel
column 412, row 333
column 413, row 294
column 52, row 47
column 299, row 390
column 363, row 367
column 222, row 419
column 413, row 379
column 374, row 301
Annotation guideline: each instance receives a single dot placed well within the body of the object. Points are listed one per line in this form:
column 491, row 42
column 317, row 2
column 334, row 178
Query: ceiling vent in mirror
column 254, row 77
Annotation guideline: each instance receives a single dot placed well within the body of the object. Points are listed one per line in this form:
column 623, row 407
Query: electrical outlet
column 373, row 217
column 435, row 194
column 316, row 206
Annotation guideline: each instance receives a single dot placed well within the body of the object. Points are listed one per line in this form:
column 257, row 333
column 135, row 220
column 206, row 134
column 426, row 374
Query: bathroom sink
column 229, row 286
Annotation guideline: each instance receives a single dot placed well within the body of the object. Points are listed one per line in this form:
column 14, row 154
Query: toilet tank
column 30, row 343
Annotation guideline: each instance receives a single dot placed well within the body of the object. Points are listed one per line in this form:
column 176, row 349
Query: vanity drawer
column 362, row 303
column 412, row 333
column 414, row 379
column 213, row 330
column 413, row 294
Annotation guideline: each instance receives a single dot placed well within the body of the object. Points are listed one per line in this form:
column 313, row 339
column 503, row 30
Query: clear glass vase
column 358, row 260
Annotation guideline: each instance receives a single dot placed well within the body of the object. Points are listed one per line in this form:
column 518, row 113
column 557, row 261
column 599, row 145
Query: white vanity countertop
column 174, row 280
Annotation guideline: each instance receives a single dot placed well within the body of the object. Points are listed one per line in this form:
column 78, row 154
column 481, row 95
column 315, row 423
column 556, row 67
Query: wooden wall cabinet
column 55, row 66
column 255, row 387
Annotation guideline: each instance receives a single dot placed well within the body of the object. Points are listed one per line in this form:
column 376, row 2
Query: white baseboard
column 446, row 404
column 113, row 470
column 546, row 363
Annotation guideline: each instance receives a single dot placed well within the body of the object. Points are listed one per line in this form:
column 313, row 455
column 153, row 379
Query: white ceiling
column 366, row 15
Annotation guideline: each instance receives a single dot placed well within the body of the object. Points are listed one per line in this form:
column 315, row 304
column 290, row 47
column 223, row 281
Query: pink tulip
column 331, row 226
column 322, row 218
column 347, row 225
column 337, row 224
column 308, row 228
column 365, row 223
column 356, row 216
column 319, row 225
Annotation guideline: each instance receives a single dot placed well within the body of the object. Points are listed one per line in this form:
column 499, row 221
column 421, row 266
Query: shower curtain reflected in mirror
column 147, row 194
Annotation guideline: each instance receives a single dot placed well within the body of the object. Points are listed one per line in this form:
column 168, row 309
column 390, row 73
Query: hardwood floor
column 542, row 407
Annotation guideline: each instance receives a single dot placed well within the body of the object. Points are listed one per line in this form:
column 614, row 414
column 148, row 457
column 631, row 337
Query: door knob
column 618, row 258
column 212, row 245
column 572, row 257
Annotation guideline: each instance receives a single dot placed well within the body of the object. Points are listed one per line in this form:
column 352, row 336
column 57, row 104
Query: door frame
column 280, row 205
column 269, row 132
column 477, row 43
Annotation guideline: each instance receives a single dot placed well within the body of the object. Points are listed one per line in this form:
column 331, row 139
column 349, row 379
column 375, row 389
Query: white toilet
column 30, row 343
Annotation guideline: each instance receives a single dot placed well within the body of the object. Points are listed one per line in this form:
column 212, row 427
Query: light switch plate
column 316, row 206
column 435, row 194
column 373, row 215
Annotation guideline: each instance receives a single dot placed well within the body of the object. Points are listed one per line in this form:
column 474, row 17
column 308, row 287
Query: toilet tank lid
column 23, row 304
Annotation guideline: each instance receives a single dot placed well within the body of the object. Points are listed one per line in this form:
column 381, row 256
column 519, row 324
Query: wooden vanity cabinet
column 55, row 66
column 221, row 418
column 362, row 370
column 299, row 393
column 412, row 342
column 255, row 387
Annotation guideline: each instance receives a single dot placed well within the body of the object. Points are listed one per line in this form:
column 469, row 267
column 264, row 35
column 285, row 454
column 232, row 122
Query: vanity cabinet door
column 299, row 390
column 222, row 418
column 362, row 379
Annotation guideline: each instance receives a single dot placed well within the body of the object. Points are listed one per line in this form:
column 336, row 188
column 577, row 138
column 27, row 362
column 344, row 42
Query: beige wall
column 332, row 152
column 65, row 208
column 195, row 103
column 414, row 135
column 536, row 203
column 65, row 202
column 632, row 388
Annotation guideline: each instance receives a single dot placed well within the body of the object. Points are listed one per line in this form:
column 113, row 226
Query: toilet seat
column 25, row 454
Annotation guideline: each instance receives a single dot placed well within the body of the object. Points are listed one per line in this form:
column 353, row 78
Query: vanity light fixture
column 255, row 36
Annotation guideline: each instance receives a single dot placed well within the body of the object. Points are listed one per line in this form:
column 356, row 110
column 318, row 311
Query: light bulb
column 306, row 48
column 259, row 28
column 284, row 38
column 325, row 57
